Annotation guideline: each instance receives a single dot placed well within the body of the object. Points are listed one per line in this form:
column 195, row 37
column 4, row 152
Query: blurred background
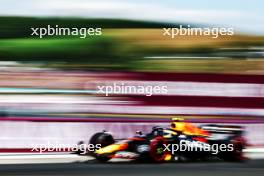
column 47, row 85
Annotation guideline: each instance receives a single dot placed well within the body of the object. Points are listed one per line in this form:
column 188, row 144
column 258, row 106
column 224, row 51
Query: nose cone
column 111, row 148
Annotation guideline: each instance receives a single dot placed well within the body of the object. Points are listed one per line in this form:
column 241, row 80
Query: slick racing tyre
column 156, row 151
column 236, row 154
column 104, row 139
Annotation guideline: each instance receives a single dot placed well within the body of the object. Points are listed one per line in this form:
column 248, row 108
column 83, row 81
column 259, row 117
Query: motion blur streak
column 49, row 86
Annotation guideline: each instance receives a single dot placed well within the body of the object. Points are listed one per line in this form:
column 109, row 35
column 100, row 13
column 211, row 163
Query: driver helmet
column 177, row 124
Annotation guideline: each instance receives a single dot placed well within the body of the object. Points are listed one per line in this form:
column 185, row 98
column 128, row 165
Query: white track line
column 42, row 158
column 29, row 158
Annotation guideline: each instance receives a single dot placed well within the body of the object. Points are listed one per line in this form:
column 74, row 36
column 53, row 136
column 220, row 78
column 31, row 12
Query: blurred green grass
column 124, row 45
column 98, row 50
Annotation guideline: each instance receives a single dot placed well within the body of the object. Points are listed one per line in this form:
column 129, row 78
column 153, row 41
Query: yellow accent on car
column 168, row 157
column 169, row 133
column 177, row 119
column 108, row 149
column 111, row 148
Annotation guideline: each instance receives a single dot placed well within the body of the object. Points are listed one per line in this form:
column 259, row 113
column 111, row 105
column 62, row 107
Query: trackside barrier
column 19, row 134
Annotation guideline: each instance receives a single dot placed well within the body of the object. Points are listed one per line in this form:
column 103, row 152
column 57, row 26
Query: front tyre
column 156, row 151
column 104, row 139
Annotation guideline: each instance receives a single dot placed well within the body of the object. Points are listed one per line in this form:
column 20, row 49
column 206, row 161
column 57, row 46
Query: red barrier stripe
column 200, row 101
column 200, row 77
column 127, row 120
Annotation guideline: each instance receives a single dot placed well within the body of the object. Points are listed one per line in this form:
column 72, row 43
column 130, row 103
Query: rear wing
column 230, row 129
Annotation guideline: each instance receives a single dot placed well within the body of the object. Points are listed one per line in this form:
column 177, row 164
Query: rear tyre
column 236, row 155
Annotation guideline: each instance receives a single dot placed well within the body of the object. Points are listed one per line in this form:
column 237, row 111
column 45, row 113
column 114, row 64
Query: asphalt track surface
column 87, row 168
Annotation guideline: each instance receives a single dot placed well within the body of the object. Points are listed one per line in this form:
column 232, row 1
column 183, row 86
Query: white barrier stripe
column 40, row 156
column 173, row 110
column 254, row 150
column 215, row 89
column 189, row 88
column 126, row 109
column 58, row 99
column 174, row 88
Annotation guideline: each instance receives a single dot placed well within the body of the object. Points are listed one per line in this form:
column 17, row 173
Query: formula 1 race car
column 181, row 142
